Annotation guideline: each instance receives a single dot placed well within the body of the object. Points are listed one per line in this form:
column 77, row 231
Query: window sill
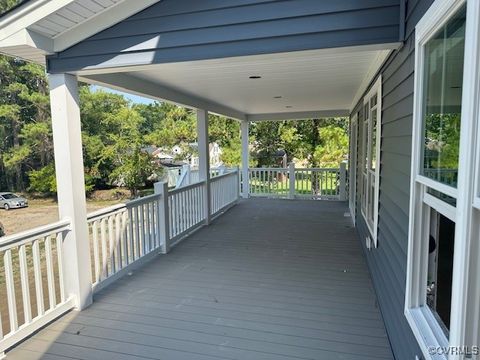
column 427, row 331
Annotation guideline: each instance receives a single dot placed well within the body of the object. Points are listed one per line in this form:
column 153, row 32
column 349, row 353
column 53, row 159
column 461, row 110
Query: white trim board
column 375, row 89
column 353, row 169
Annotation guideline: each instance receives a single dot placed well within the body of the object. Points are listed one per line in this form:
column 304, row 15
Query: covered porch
column 270, row 279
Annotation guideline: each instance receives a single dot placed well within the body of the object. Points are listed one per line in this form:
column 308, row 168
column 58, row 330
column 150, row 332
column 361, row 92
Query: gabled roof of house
column 35, row 28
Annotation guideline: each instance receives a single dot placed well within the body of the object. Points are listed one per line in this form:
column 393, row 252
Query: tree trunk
column 16, row 145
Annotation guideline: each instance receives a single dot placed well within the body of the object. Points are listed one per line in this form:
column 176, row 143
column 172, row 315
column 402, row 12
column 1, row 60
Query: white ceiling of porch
column 318, row 80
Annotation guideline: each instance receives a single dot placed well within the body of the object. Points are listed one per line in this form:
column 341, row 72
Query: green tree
column 7, row 4
column 333, row 148
column 304, row 140
column 43, row 180
column 24, row 121
column 133, row 166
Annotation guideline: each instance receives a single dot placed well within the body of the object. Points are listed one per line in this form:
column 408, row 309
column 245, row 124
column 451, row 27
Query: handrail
column 219, row 177
column 186, row 187
column 25, row 236
column 317, row 169
column 141, row 200
column 296, row 169
column 268, row 169
column 106, row 211
column 111, row 210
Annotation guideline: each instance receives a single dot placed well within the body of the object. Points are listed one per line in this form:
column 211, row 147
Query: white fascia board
column 27, row 15
column 29, row 38
column 133, row 85
column 299, row 115
column 101, row 21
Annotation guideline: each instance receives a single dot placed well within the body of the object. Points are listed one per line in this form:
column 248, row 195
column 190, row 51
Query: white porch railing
column 121, row 235
column 271, row 182
column 311, row 183
column 186, row 210
column 126, row 235
column 187, row 175
column 225, row 191
column 32, row 281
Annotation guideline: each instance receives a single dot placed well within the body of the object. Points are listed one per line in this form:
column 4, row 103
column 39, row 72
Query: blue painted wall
column 388, row 262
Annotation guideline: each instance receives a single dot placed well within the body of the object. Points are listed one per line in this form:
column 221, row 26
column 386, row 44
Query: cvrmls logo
column 454, row 350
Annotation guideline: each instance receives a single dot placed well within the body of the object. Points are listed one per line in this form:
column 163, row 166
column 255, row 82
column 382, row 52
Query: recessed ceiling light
column 277, row 97
column 255, row 77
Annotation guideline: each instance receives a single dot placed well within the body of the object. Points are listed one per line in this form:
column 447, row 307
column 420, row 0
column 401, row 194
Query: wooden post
column 67, row 139
column 204, row 160
column 291, row 180
column 343, row 181
column 245, row 159
column 161, row 188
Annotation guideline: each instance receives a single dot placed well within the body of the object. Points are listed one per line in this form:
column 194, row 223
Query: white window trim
column 464, row 331
column 466, row 297
column 353, row 157
column 376, row 88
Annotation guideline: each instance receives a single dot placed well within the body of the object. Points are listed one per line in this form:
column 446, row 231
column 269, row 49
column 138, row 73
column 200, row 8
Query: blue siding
column 175, row 30
column 388, row 262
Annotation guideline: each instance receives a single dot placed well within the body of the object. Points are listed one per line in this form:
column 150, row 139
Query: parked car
column 10, row 200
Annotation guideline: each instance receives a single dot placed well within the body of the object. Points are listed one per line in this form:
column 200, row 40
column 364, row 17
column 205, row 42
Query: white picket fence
column 32, row 278
column 306, row 183
column 122, row 237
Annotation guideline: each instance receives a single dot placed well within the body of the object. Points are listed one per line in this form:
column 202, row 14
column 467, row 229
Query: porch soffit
column 294, row 85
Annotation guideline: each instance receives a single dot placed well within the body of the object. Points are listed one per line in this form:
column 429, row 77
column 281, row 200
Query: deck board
column 270, row 279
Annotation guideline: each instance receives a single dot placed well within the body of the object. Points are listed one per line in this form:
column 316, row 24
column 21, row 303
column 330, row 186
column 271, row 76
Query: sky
column 133, row 98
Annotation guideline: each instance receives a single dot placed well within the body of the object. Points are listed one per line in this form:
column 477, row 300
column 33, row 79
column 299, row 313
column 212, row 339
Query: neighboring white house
column 215, row 153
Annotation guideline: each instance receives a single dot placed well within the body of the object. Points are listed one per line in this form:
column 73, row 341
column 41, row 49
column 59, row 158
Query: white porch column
column 161, row 188
column 245, row 159
column 67, row 138
column 204, row 159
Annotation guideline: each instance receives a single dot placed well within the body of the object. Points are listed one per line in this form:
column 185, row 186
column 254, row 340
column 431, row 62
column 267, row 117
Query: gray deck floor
column 271, row 279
